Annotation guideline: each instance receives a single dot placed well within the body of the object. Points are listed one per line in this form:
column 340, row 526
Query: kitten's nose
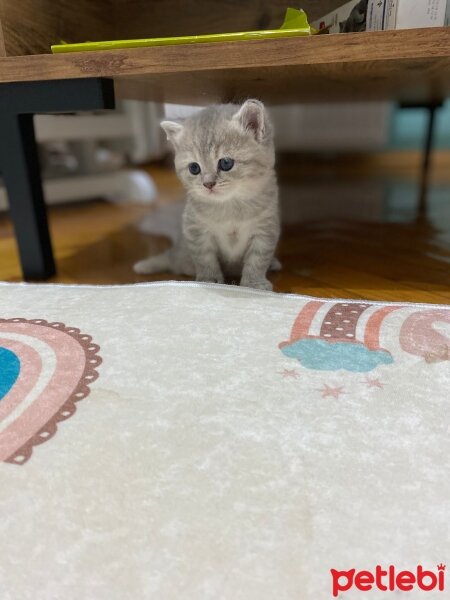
column 209, row 184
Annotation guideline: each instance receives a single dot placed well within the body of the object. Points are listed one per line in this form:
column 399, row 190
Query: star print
column 374, row 383
column 289, row 373
column 328, row 391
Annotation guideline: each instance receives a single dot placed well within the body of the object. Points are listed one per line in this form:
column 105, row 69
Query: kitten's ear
column 252, row 117
column 172, row 130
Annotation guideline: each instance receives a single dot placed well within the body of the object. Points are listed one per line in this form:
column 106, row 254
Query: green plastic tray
column 295, row 24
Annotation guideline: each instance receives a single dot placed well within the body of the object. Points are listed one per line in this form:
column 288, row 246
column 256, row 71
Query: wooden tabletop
column 408, row 65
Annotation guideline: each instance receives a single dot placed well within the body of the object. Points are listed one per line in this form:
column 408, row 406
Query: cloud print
column 331, row 356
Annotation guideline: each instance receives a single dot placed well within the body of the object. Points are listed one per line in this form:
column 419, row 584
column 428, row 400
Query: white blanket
column 236, row 445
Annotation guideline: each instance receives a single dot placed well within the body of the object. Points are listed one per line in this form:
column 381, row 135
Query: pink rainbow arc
column 302, row 323
column 373, row 326
column 76, row 362
column 23, row 386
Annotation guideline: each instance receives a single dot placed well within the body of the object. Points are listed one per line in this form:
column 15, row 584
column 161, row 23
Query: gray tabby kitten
column 224, row 156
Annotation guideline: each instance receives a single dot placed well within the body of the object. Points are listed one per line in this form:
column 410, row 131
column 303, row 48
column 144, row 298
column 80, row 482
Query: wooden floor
column 352, row 230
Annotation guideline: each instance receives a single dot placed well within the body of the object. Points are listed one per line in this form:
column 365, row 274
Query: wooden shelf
column 410, row 65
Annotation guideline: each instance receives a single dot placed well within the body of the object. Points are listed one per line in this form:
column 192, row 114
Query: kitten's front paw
column 258, row 284
column 208, row 278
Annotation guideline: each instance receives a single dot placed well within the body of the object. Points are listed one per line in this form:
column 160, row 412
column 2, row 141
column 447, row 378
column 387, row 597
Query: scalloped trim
column 81, row 391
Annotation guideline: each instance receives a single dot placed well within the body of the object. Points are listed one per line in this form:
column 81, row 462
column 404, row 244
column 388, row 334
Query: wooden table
column 409, row 65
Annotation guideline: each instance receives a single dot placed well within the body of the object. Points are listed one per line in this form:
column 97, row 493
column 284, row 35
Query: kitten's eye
column 226, row 164
column 194, row 168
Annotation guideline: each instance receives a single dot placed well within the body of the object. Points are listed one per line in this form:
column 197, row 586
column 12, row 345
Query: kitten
column 224, row 156
column 356, row 20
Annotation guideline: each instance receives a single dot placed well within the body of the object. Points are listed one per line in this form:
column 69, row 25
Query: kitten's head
column 223, row 152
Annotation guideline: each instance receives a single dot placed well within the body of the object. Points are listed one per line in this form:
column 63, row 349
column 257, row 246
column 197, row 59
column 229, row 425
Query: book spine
column 390, row 20
column 376, row 10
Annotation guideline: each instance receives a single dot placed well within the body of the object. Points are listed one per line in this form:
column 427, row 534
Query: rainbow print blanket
column 180, row 440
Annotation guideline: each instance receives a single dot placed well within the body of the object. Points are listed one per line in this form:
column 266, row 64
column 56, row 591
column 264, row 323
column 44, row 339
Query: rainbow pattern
column 45, row 368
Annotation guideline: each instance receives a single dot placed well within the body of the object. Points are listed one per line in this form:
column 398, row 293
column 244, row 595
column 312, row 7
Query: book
column 407, row 14
column 385, row 14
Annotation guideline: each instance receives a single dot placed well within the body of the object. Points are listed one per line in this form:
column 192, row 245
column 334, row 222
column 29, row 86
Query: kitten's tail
column 154, row 264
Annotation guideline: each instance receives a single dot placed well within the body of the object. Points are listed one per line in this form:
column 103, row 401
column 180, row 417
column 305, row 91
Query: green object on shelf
column 295, row 24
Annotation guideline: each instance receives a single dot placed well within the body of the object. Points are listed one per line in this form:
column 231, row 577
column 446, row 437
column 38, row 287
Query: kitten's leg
column 207, row 267
column 203, row 251
column 257, row 261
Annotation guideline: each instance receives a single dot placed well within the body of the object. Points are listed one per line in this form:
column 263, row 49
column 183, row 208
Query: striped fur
column 232, row 229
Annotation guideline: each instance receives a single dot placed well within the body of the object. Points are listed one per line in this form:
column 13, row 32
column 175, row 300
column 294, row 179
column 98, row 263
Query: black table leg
column 21, row 175
column 432, row 108
column 19, row 164
column 426, row 161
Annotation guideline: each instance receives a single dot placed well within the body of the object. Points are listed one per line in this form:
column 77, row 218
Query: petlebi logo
column 388, row 580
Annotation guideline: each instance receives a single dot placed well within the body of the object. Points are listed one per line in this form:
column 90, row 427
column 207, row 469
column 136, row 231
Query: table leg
column 19, row 163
